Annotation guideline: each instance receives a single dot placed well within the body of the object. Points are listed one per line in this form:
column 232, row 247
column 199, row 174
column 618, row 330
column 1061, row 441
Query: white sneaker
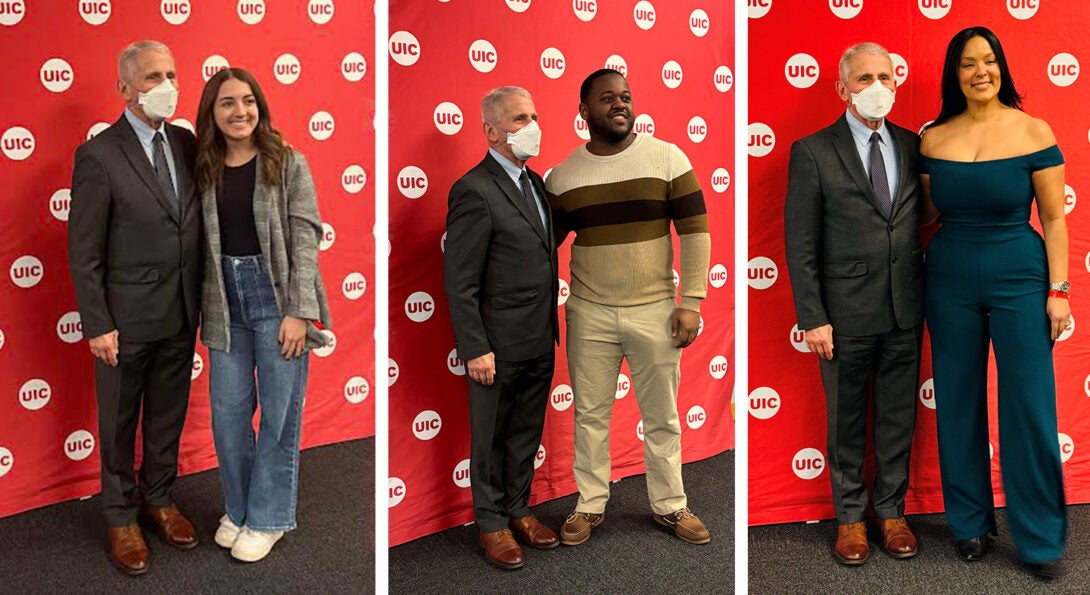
column 227, row 533
column 253, row 545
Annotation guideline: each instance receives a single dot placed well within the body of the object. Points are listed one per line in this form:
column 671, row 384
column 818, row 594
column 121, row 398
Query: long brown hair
column 211, row 146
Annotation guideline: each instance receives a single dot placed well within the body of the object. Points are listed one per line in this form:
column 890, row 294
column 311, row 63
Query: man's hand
column 104, row 347
column 482, row 369
column 683, row 326
column 292, row 337
column 820, row 341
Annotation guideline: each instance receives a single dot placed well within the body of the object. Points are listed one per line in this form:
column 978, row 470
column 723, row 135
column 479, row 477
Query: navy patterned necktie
column 878, row 178
column 162, row 170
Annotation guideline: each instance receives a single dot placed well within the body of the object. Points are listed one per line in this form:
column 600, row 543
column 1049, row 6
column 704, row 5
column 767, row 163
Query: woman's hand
column 1059, row 314
column 293, row 337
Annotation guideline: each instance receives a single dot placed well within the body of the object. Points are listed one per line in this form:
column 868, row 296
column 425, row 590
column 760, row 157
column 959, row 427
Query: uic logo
column 539, row 458
column 60, row 204
column 718, row 367
column 353, row 179
column 320, row 11
column 17, row 143
column 412, row 182
column 562, row 293
column 356, row 390
column 11, row 12
column 672, row 74
column 518, row 5
column 927, row 393
column 639, row 430
column 696, row 417
column 644, row 15
column 616, row 62
column 798, row 339
column 935, row 9
column 79, row 445
column 758, row 8
column 175, row 12
column 354, row 285
column 448, row 118
column 764, row 402
column 1069, row 199
column 761, row 139
column 2, row 342
column 697, row 129
column 329, row 347
column 846, row 9
column 723, row 79
column 1022, row 9
column 404, row 48
column 717, row 276
column 397, row 491
column 720, row 180
column 198, row 366
column 562, row 397
column 808, row 463
column 581, row 128
column 644, row 124
column 96, row 128
column 35, row 394
column 455, row 363
column 419, row 306
column 552, row 63
column 1085, row 383
column 1067, row 447
column 393, row 372
column 623, row 386
column 585, row 10
column 287, row 69
column 70, row 328
column 56, row 75
column 354, row 67
column 900, row 68
column 7, row 460
column 26, row 271
column 699, row 23
column 182, row 122
column 212, row 65
column 1068, row 330
column 801, row 71
column 762, row 272
column 483, row 56
column 427, row 425
column 461, row 474
column 251, row 11
column 1063, row 69
column 95, row 12
column 329, row 235
column 322, row 125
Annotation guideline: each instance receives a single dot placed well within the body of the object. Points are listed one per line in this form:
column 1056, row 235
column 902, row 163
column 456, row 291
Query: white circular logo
column 427, row 425
column 718, row 367
column 672, row 74
column 1023, row 9
column 10, row 14
column 60, row 203
column 935, row 9
column 616, row 62
column 1069, row 199
column 96, row 128
column 562, row 293
column 175, row 12
column 801, row 71
column 724, row 79
column 518, row 5
column 182, row 122
column 644, row 124
column 356, row 390
column 70, row 328
column 677, row 277
column 798, row 339
column 483, row 56
column 581, row 128
column 764, row 402
column 419, row 306
column 562, row 397
column 6, row 458
column 322, row 125
column 585, row 10
column 354, row 285
column 552, row 63
column 18, row 143
column 1063, row 69
column 443, row 243
column 251, row 11
column 2, row 340
column 623, row 386
column 762, row 272
column 56, row 75
column 761, row 139
column 461, row 474
column 695, row 417
column 639, row 430
column 1068, row 330
column 447, row 118
column 287, row 69
column 927, row 393
column 79, row 444
column 329, row 347
column 397, row 491
column 95, row 12
column 35, row 394
column 1067, row 447
column 846, row 9
column 412, row 182
column 759, row 8
column 198, row 366
column 26, row 271
column 329, row 235
column 320, row 11
column 644, row 15
column 720, row 180
column 808, row 463
column 404, row 48
column 698, row 129
column 455, row 363
column 699, row 23
column 392, row 371
column 900, row 69
column 353, row 179
column 539, row 458
column 717, row 276
column 354, row 67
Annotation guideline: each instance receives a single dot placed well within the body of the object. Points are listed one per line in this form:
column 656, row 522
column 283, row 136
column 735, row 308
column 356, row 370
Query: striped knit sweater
column 620, row 208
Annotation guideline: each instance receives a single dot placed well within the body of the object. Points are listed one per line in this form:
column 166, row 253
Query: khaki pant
column 598, row 338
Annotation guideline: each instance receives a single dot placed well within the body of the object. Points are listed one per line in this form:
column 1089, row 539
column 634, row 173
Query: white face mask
column 160, row 102
column 526, row 141
column 874, row 102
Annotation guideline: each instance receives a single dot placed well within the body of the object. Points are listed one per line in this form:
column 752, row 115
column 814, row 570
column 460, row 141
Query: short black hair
column 584, row 89
column 953, row 100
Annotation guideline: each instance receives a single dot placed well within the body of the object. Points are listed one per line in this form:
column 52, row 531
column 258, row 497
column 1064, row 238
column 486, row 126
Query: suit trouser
column 154, row 377
column 994, row 290
column 883, row 369
column 599, row 337
column 506, row 420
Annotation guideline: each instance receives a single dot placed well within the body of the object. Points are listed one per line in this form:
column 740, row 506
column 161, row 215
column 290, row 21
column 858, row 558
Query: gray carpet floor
column 62, row 548
column 628, row 553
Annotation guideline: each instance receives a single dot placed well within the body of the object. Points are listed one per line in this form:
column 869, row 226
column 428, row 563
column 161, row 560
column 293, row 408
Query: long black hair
column 953, row 99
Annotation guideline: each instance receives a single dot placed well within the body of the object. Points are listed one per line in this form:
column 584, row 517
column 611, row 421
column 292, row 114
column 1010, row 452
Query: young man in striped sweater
column 620, row 193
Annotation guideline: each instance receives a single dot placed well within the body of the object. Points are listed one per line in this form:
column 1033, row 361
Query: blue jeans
column 260, row 478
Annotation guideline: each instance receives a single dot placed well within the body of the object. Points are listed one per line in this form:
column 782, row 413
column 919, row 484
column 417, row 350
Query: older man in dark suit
column 134, row 249
column 500, row 276
column 854, row 257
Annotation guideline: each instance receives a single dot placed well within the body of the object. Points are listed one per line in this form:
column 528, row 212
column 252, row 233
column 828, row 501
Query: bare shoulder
column 1038, row 133
column 933, row 138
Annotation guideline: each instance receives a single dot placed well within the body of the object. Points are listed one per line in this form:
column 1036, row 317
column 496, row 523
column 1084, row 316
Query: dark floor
column 62, row 548
column 628, row 553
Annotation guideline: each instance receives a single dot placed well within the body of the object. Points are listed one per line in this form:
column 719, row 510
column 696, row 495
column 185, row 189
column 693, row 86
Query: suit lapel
column 185, row 178
column 904, row 146
column 134, row 151
column 844, row 143
column 514, row 194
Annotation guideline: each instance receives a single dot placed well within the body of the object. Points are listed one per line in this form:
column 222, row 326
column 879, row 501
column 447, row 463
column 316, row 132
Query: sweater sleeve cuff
column 690, row 303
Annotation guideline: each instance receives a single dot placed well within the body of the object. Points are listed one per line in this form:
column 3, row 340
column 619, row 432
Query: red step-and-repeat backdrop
column 794, row 51
column 444, row 57
column 314, row 61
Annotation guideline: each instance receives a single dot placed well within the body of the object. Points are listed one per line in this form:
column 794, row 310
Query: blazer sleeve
column 802, row 218
column 469, row 229
column 88, row 232
column 305, row 227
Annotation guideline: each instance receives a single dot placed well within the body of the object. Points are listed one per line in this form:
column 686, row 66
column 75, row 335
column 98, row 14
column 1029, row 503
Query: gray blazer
column 850, row 265
column 289, row 230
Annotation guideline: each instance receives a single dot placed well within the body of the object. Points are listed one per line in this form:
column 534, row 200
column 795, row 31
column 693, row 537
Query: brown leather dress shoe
column 898, row 539
column 128, row 552
column 501, row 550
column 851, row 544
column 172, row 526
column 531, row 532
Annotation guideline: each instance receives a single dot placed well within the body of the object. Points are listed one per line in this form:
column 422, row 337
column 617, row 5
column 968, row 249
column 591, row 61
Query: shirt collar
column 861, row 132
column 511, row 169
column 144, row 132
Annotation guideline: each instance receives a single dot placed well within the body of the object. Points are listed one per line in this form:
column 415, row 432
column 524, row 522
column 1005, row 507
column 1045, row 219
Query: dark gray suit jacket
column 849, row 264
column 499, row 267
column 135, row 261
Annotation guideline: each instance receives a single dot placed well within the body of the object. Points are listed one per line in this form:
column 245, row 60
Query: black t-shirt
column 235, row 206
